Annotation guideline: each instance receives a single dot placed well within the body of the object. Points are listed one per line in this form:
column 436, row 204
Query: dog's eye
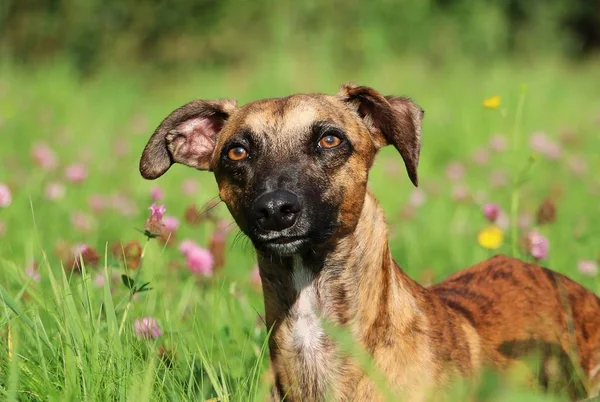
column 237, row 153
column 329, row 141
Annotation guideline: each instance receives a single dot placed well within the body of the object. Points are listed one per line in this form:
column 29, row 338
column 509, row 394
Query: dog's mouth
column 286, row 239
column 282, row 245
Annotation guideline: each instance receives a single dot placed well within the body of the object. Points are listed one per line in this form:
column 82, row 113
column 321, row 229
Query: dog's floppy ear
column 188, row 136
column 391, row 120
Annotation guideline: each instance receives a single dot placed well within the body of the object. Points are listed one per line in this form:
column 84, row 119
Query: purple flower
column 498, row 178
column 32, row 272
column 54, row 191
column 79, row 248
column 82, row 221
column 588, row 267
column 491, row 212
column 76, row 173
column 99, row 280
column 157, row 211
column 553, row 151
column 539, row 142
column 494, row 214
column 5, row 195
column 147, row 328
column 156, row 193
column 538, row 245
column 461, row 192
column 171, row 222
column 200, row 261
column 96, row 202
column 497, row 143
column 525, row 220
column 455, row 171
column 481, row 157
column 186, row 246
column 190, row 187
column 44, row 156
column 417, row 197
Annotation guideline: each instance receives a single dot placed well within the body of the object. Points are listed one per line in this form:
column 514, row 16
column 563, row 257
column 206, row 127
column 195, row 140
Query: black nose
column 276, row 210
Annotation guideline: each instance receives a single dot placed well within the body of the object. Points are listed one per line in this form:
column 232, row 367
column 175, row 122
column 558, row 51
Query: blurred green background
column 90, row 80
column 94, row 33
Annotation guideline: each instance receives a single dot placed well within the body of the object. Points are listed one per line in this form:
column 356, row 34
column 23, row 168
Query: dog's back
column 519, row 308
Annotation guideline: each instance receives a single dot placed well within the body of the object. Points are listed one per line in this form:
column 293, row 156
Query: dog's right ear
column 188, row 136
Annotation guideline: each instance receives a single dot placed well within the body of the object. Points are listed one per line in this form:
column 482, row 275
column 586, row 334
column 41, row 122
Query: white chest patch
column 307, row 332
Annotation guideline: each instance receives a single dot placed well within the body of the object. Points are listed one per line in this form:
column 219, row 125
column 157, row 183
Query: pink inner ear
column 196, row 141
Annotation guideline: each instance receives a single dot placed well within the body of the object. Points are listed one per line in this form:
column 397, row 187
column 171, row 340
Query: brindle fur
column 491, row 314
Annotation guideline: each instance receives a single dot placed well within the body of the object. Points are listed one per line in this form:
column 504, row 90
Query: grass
column 68, row 336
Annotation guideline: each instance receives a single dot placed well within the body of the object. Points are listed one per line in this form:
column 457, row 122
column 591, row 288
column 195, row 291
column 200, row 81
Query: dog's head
column 292, row 171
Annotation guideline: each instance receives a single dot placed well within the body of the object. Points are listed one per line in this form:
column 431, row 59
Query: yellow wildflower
column 492, row 103
column 490, row 237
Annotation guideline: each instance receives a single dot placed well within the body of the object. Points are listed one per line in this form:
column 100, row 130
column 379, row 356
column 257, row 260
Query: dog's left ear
column 391, row 120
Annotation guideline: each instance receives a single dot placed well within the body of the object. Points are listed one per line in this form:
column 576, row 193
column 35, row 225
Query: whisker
column 211, row 207
column 239, row 235
column 245, row 241
column 230, row 224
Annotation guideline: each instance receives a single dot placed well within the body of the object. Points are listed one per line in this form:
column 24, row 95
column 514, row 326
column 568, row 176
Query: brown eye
column 237, row 153
column 329, row 141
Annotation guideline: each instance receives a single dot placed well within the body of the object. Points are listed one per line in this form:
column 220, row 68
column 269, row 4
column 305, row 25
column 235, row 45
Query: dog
column 293, row 173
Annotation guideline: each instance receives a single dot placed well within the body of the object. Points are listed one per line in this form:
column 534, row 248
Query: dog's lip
column 275, row 239
column 283, row 245
column 286, row 239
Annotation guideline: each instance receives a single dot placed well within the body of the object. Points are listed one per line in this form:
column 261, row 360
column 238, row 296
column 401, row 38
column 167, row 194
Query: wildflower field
column 115, row 288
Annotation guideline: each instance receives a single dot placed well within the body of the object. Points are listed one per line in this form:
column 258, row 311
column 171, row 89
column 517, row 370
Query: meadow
column 91, row 308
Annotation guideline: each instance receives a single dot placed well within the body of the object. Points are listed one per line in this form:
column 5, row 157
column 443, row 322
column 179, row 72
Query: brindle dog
column 293, row 172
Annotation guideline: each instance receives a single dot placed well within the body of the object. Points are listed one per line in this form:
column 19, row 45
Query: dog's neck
column 355, row 284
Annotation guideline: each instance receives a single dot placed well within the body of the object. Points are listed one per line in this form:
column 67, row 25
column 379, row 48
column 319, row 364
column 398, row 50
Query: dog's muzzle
column 276, row 219
column 276, row 211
